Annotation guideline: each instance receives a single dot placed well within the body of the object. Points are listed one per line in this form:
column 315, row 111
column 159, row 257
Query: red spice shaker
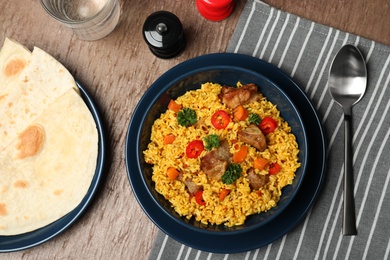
column 215, row 10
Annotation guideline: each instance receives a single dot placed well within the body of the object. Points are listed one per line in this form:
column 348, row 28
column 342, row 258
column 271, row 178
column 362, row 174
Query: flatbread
column 38, row 84
column 43, row 179
column 49, row 161
column 14, row 58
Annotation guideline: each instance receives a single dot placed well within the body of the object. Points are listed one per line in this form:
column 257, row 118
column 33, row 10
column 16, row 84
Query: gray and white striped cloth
column 304, row 50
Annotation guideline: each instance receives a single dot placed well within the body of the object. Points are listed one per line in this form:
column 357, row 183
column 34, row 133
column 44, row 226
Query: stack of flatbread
column 48, row 140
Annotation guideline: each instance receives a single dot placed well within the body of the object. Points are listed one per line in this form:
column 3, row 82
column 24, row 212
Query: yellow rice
column 241, row 201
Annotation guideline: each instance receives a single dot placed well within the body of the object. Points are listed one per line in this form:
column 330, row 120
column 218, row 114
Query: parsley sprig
column 232, row 173
column 186, row 117
column 212, row 141
column 254, row 119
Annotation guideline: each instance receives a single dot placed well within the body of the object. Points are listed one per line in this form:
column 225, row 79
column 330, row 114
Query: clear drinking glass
column 89, row 19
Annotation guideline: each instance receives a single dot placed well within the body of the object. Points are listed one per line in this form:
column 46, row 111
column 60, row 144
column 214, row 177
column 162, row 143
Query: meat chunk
column 233, row 97
column 192, row 187
column 215, row 163
column 223, row 150
column 253, row 136
column 256, row 181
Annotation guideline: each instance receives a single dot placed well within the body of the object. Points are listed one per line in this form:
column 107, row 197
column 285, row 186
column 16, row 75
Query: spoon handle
column 349, row 221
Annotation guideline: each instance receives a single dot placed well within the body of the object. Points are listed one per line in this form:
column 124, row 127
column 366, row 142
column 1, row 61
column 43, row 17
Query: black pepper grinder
column 163, row 32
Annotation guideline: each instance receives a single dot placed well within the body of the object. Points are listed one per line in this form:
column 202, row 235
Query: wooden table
column 116, row 71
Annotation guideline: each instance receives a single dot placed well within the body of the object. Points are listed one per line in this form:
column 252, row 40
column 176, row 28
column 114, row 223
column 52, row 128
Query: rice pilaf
column 242, row 200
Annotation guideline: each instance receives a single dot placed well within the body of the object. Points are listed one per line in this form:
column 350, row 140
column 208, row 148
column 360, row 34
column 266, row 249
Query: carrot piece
column 240, row 113
column 241, row 154
column 172, row 173
column 169, row 138
column 260, row 163
column 175, row 107
column 224, row 192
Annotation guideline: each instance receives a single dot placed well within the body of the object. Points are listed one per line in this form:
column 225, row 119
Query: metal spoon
column 347, row 84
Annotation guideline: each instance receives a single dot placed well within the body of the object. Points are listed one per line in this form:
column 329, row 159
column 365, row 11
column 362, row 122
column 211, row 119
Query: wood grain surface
column 116, row 71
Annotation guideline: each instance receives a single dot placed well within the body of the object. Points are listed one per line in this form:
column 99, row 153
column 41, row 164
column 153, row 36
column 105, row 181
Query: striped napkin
column 304, row 50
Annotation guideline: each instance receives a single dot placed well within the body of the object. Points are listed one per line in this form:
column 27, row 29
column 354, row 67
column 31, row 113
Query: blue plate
column 223, row 242
column 39, row 236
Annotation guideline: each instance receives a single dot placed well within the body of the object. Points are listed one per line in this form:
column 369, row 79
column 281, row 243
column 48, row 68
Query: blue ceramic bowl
column 155, row 101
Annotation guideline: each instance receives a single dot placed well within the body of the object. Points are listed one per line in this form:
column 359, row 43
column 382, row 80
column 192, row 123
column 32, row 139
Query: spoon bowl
column 348, row 77
column 347, row 85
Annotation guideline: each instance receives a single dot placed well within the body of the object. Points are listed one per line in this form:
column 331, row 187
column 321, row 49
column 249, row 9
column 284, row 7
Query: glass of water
column 89, row 19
